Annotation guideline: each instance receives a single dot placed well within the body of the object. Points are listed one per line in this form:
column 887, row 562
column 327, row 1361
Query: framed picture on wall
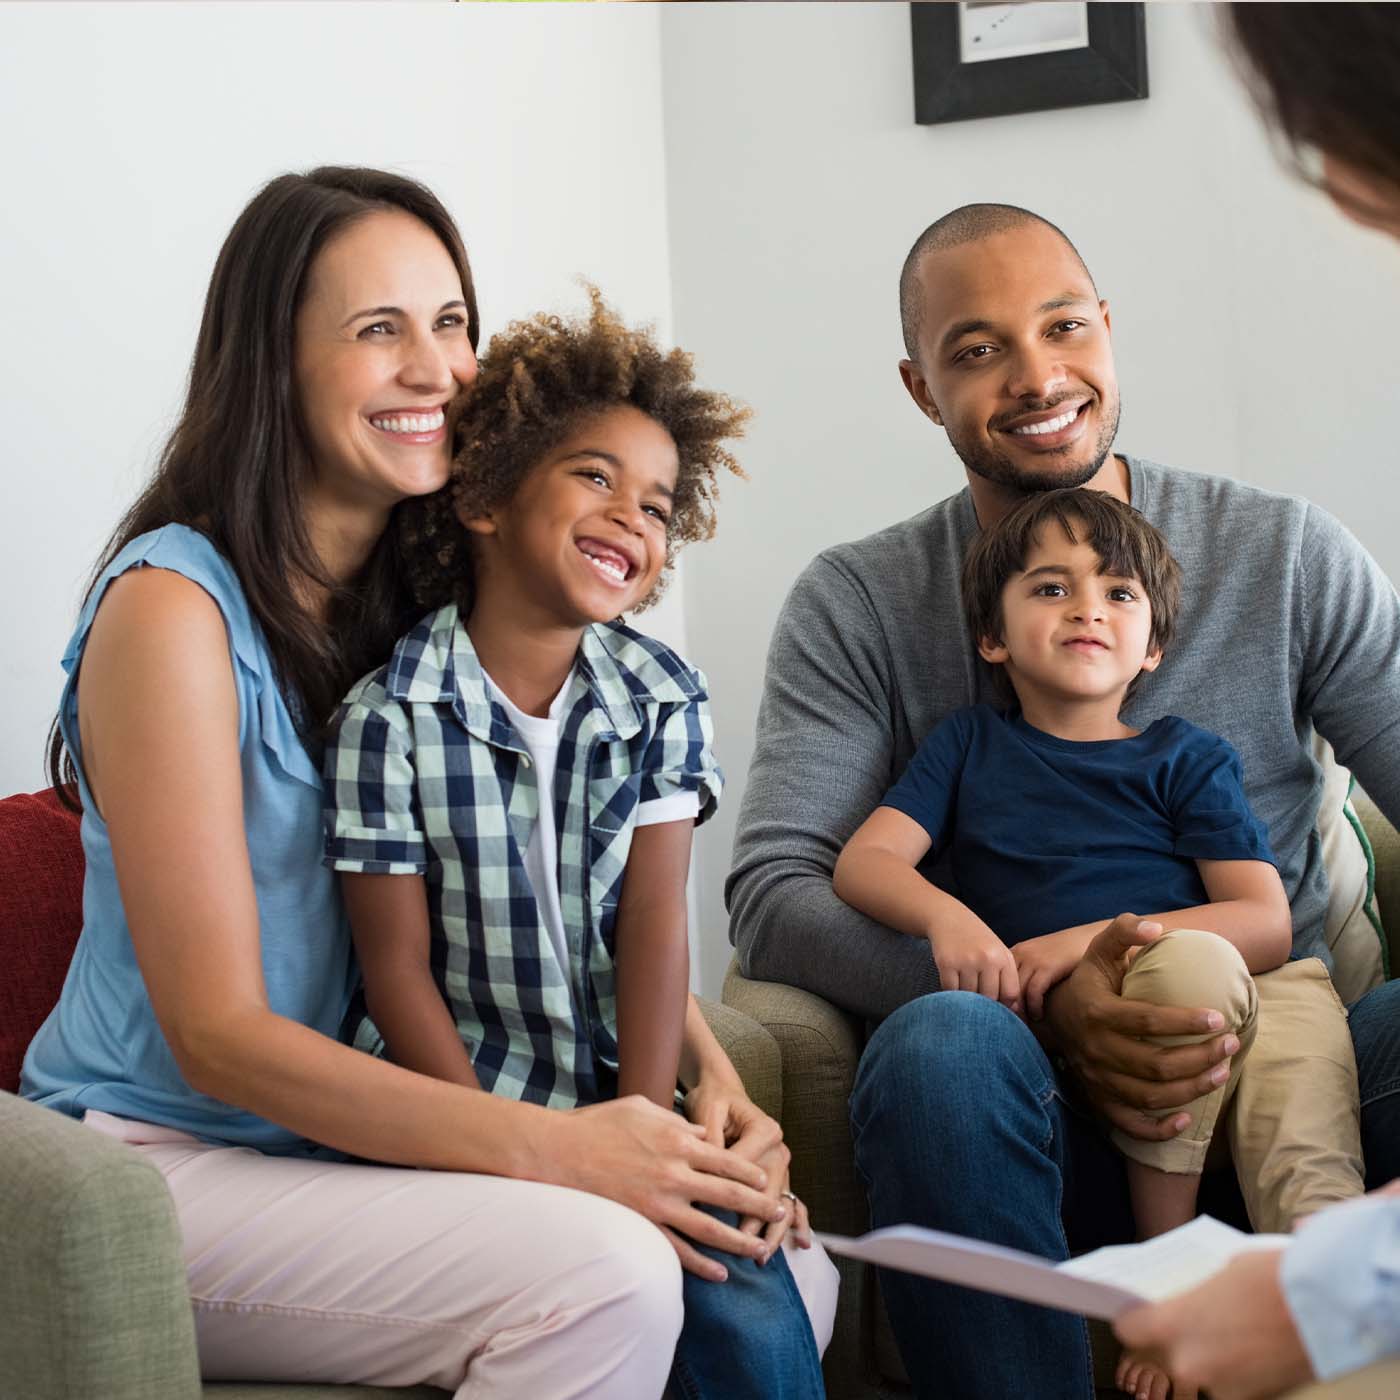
column 992, row 60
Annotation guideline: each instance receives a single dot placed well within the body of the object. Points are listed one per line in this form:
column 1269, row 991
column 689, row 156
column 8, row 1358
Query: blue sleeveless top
column 101, row 1046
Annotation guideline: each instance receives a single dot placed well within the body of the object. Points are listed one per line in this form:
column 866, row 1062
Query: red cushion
column 41, row 914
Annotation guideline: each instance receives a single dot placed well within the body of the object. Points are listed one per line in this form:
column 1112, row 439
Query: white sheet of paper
column 955, row 1259
column 1103, row 1284
column 1170, row 1263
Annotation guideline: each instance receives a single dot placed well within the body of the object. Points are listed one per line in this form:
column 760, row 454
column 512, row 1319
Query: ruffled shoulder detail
column 185, row 551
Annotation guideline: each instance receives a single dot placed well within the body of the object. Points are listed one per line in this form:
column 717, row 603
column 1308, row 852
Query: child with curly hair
column 511, row 799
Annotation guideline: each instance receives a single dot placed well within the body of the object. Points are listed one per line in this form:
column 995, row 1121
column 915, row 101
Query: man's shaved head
column 968, row 224
column 1009, row 351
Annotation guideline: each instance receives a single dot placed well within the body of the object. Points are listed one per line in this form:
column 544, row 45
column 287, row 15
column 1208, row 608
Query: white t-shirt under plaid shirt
column 427, row 775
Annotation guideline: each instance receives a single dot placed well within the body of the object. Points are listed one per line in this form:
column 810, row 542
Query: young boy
column 511, row 800
column 1058, row 816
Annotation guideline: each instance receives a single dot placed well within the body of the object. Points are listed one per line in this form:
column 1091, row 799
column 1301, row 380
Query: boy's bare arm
column 876, row 873
column 1248, row 907
column 389, row 922
column 651, row 955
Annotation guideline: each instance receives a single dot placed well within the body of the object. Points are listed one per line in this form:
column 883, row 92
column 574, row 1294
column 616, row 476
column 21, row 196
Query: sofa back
column 41, row 915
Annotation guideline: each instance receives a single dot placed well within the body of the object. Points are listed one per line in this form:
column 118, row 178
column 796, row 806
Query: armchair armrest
column 752, row 1050
column 820, row 1049
column 93, row 1298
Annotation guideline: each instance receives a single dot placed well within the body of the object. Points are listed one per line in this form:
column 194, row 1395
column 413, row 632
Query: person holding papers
column 1327, row 77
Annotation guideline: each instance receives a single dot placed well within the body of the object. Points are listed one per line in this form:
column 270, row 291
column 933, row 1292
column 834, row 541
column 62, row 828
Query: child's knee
column 757, row 1314
column 1193, row 968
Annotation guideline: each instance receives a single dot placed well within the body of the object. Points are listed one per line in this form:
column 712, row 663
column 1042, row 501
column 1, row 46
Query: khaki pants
column 1294, row 1123
column 1290, row 1106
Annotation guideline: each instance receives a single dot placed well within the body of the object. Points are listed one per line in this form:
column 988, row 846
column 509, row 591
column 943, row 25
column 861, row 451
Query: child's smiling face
column 583, row 538
column 1070, row 632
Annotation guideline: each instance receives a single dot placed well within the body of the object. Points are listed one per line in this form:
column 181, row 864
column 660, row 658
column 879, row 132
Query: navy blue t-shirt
column 1048, row 833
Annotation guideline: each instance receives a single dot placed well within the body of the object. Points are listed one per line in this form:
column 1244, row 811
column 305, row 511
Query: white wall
column 135, row 133
column 1253, row 327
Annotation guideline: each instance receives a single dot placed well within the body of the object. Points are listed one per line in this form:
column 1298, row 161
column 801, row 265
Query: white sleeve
column 673, row 808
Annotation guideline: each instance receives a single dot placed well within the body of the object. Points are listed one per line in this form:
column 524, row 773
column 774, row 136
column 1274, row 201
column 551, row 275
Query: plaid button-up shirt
column 426, row 775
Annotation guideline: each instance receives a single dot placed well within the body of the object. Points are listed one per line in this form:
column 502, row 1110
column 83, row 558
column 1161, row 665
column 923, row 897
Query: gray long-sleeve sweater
column 1286, row 624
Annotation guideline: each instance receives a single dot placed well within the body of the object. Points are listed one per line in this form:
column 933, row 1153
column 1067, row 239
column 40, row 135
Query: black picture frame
column 1113, row 68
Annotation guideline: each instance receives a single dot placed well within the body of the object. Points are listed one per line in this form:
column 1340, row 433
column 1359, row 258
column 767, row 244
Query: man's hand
column 1042, row 963
column 1232, row 1335
column 971, row 958
column 1101, row 1034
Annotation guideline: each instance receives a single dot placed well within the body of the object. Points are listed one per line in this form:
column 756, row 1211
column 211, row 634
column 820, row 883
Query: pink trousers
column 482, row 1285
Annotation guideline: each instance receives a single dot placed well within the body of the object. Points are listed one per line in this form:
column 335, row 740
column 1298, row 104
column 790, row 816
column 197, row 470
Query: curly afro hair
column 537, row 380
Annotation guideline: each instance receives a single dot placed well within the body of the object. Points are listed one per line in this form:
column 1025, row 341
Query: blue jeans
column 747, row 1338
column 962, row 1124
column 1375, row 1032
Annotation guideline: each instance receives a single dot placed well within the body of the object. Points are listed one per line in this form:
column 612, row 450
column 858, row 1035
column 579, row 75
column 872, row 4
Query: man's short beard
column 992, row 466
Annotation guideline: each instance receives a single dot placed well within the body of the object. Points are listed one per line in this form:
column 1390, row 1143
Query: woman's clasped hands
column 731, row 1118
column 727, row 1155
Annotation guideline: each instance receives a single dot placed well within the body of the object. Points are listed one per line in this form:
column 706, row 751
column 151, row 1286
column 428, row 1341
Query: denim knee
column 758, row 1307
column 748, row 1338
column 948, row 1053
column 1375, row 1032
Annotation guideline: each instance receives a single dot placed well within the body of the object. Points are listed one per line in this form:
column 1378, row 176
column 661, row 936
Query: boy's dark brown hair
column 1128, row 546
column 537, row 380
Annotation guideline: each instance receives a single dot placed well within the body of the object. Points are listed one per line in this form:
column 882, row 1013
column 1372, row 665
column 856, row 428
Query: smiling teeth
column 1051, row 425
column 410, row 422
column 613, row 571
column 614, row 566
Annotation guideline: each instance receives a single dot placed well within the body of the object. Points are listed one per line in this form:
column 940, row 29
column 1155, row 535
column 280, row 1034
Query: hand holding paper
column 1105, row 1284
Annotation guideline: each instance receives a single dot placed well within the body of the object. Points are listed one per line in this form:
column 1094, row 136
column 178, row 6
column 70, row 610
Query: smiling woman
column 236, row 466
column 374, row 380
column 201, row 1019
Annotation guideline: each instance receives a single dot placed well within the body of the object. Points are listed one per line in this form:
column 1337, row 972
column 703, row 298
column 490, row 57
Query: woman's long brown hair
column 235, row 467
column 1327, row 78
